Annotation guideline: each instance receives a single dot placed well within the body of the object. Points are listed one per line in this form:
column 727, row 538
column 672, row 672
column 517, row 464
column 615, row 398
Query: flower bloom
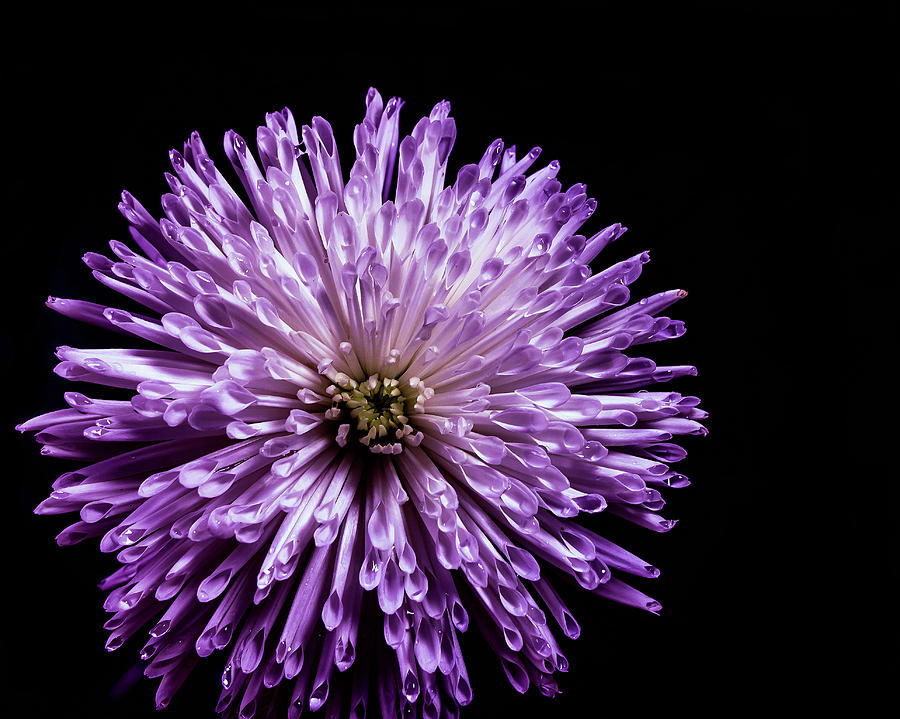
column 367, row 423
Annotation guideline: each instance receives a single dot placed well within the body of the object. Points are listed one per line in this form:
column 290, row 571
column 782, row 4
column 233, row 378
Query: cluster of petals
column 359, row 426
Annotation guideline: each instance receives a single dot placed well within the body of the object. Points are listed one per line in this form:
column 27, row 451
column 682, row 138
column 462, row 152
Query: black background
column 753, row 152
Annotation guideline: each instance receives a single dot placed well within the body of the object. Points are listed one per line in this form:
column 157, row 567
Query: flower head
column 368, row 423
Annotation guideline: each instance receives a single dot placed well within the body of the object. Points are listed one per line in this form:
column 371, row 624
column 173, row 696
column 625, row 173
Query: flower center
column 377, row 410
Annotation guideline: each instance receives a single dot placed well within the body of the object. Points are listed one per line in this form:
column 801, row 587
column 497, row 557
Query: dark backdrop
column 751, row 150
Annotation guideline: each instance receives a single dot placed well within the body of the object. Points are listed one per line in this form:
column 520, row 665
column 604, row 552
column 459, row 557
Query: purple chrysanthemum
column 368, row 422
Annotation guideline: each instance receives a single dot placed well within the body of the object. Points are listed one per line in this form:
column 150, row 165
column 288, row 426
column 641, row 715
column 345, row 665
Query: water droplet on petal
column 410, row 686
column 160, row 629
